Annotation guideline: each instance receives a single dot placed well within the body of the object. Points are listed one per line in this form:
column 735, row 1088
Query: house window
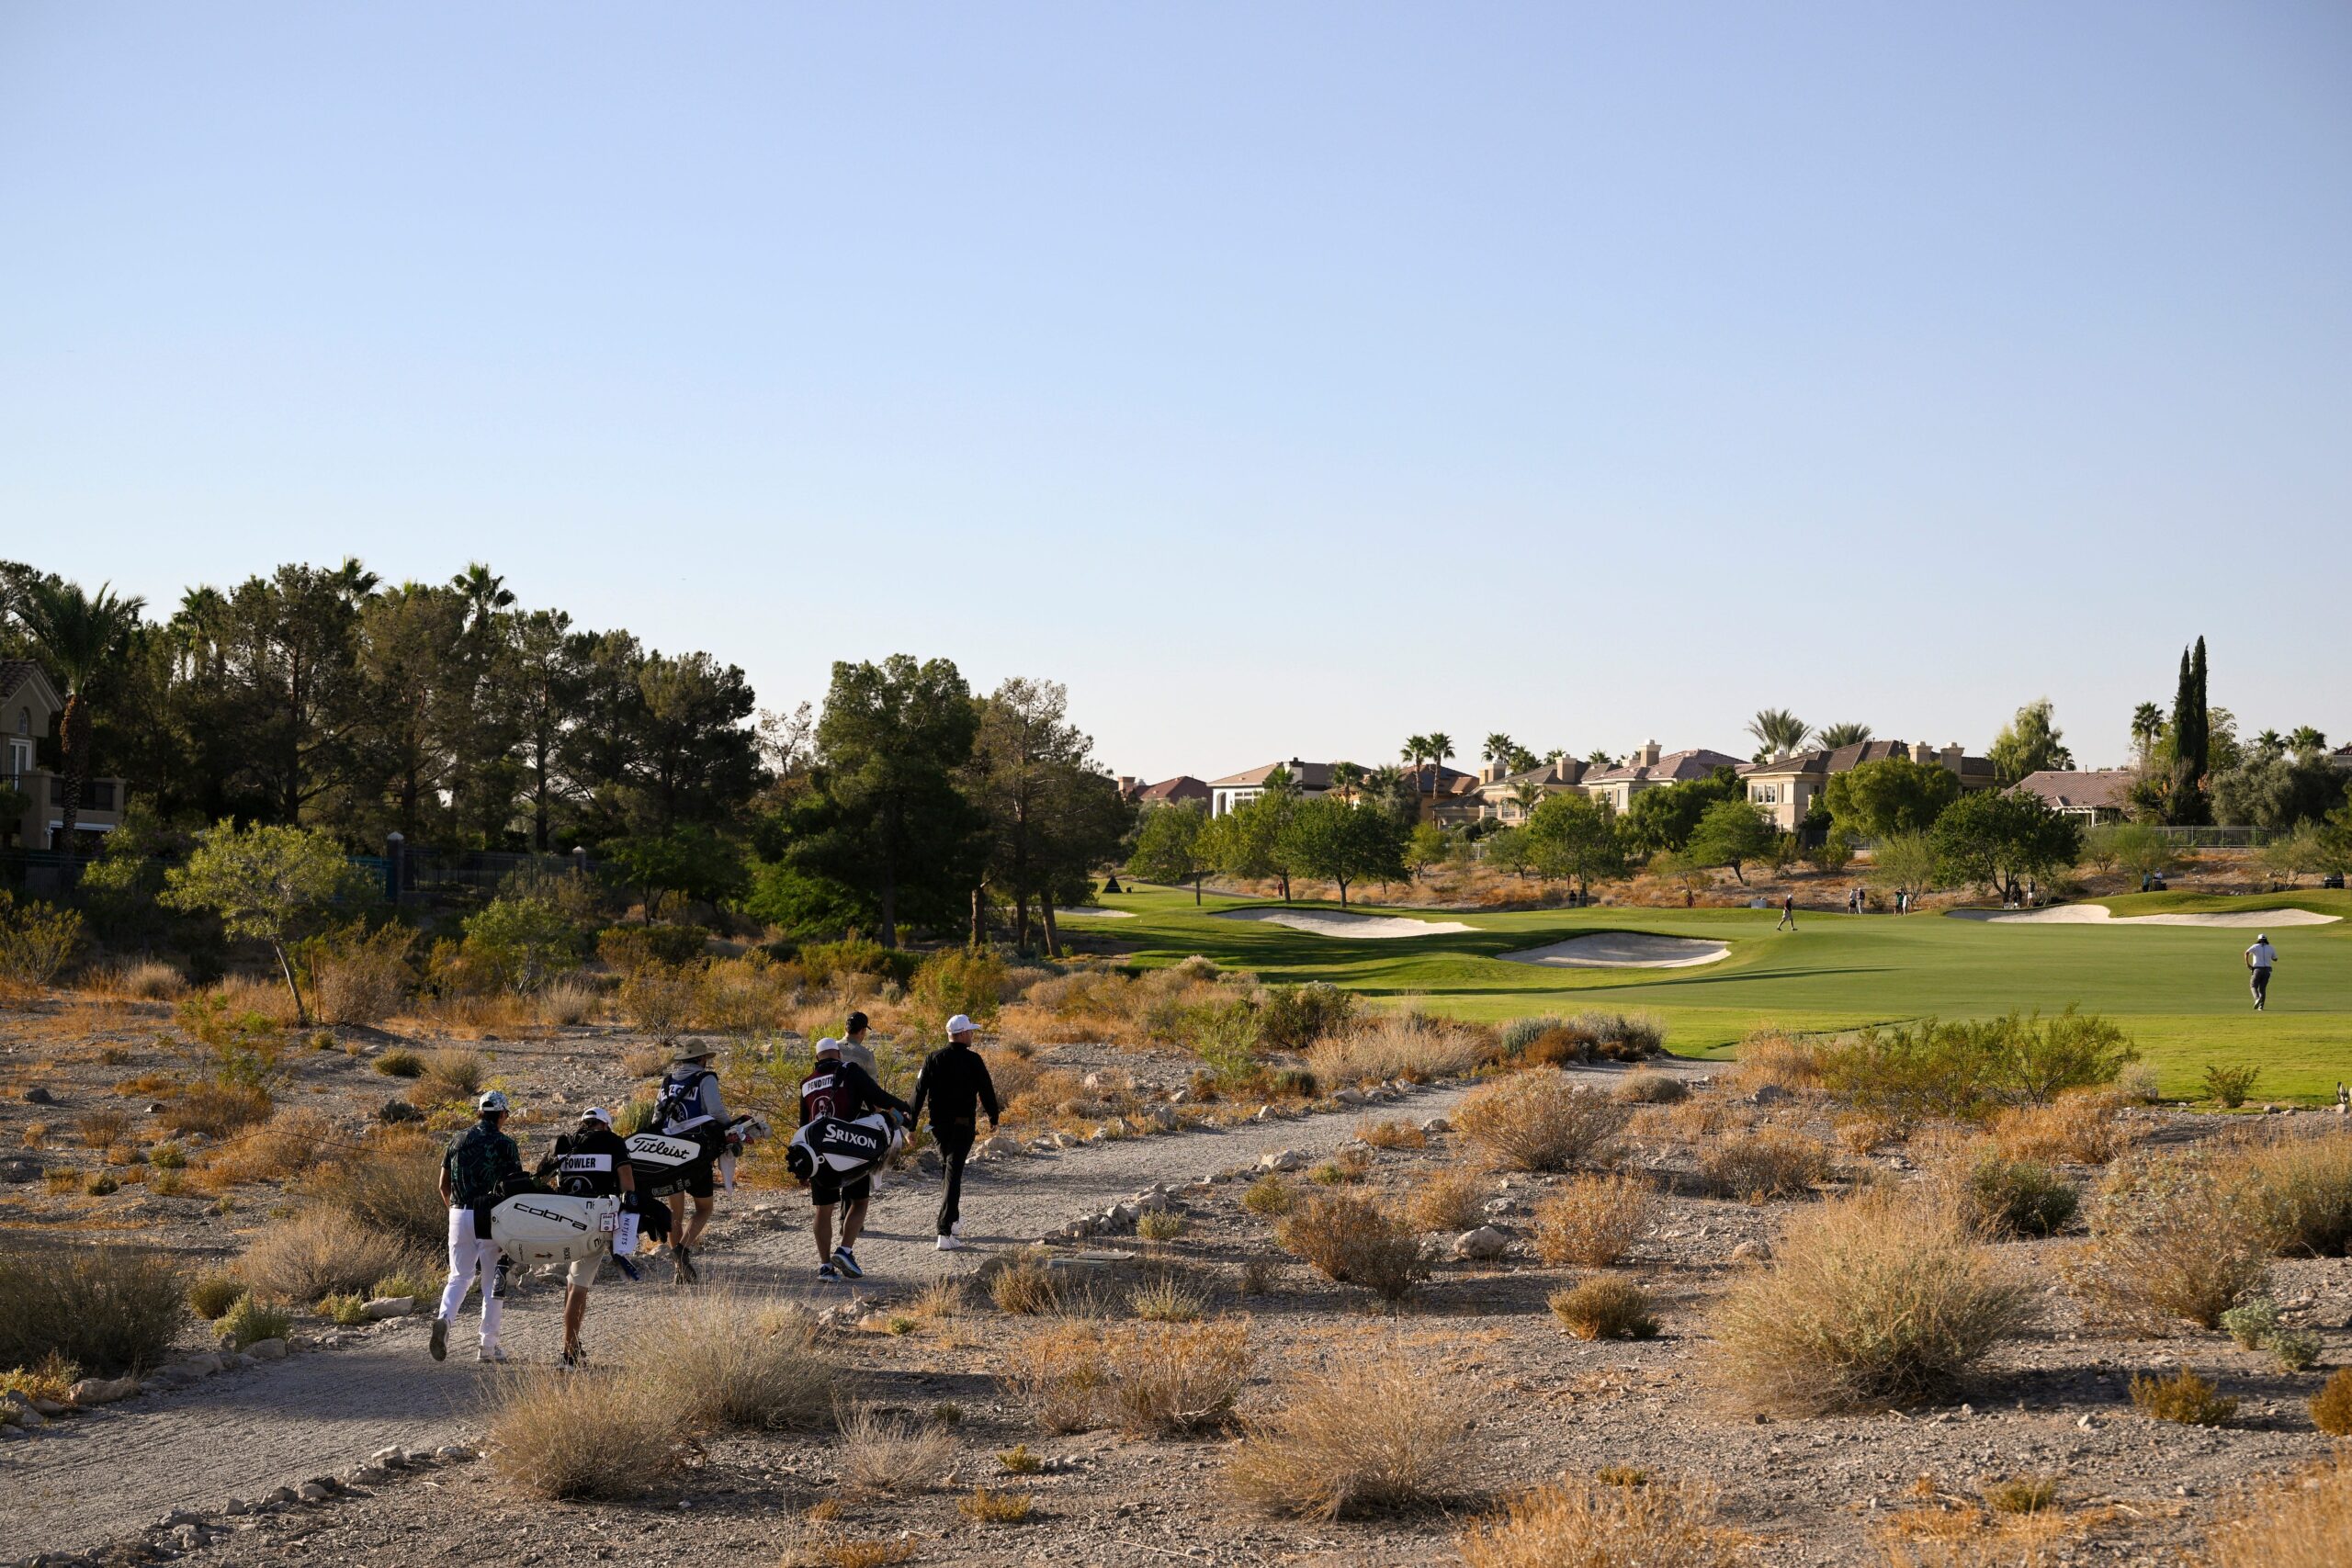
column 1765, row 795
column 24, row 721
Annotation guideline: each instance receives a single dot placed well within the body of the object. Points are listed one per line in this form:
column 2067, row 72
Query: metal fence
column 2215, row 838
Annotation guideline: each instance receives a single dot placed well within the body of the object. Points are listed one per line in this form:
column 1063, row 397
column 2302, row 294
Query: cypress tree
column 2202, row 757
column 2189, row 743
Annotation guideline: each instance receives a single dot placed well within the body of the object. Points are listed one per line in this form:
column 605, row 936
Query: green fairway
column 2179, row 990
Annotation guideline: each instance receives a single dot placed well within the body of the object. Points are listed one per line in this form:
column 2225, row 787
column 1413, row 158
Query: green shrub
column 2252, row 1324
column 1970, row 1070
column 348, row 1310
column 2297, row 1348
column 212, row 1294
column 110, row 1309
column 250, row 1321
column 167, row 1156
column 2184, row 1397
column 625, row 948
column 242, row 1047
column 826, row 961
column 1522, row 1032
column 1223, row 1034
column 520, row 944
column 2230, row 1084
column 1268, row 1196
column 2019, row 1196
column 401, row 1062
column 37, row 942
column 1609, row 1306
column 1292, row 1018
column 968, row 980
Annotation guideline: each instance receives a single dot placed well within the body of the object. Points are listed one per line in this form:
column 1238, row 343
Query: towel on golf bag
column 846, row 1148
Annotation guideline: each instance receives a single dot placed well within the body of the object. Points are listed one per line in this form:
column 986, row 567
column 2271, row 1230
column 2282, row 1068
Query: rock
column 393, row 1112
column 101, row 1391
column 1768, row 1094
column 267, row 1349
column 25, row 1416
column 1500, row 1206
column 39, row 1095
column 1263, row 1113
column 1752, row 1252
column 1281, row 1159
column 1483, row 1245
column 1180, row 1097
column 238, row 1507
column 312, row 1492
column 383, row 1307
column 927, row 1162
column 1153, row 1201
column 188, row 1537
column 1092, row 1080
column 456, row 1453
column 284, row 1495
column 1437, row 1124
column 388, row 1456
column 1000, row 1145
column 1350, row 1097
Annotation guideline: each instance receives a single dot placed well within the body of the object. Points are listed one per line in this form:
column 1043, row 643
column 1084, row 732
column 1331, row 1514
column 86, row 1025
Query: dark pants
column 954, row 1147
column 2261, row 986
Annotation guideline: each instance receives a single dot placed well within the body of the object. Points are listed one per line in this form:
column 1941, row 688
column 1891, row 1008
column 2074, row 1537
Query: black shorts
column 704, row 1181
column 826, row 1188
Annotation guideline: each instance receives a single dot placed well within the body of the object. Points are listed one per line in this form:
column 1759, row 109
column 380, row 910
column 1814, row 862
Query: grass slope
column 2179, row 990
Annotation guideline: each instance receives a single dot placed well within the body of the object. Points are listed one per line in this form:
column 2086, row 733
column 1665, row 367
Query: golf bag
column 849, row 1148
column 667, row 1163
column 548, row 1227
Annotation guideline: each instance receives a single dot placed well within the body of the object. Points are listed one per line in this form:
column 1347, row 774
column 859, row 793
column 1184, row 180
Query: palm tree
column 2270, row 743
column 1346, row 781
column 1776, row 729
column 1527, row 798
column 2147, row 723
column 1600, row 758
column 1440, row 746
column 1832, row 736
column 1501, row 750
column 2307, row 741
column 484, row 591
column 79, row 635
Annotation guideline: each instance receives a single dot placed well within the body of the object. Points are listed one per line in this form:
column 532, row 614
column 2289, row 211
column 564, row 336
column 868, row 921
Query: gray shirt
column 852, row 1051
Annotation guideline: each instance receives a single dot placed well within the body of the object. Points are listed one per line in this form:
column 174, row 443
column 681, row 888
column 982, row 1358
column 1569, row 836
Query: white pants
column 470, row 1255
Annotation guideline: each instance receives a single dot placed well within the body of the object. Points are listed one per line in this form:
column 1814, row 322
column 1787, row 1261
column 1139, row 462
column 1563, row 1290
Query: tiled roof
column 1675, row 767
column 1306, row 775
column 2093, row 789
column 1183, row 786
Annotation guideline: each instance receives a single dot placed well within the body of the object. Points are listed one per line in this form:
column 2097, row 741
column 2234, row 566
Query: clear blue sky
column 1284, row 379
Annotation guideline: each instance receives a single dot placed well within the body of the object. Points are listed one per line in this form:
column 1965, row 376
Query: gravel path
column 92, row 1478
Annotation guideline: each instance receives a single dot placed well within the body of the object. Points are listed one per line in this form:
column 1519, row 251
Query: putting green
column 2179, row 990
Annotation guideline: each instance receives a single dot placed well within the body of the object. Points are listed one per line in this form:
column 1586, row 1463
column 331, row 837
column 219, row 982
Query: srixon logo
column 536, row 1212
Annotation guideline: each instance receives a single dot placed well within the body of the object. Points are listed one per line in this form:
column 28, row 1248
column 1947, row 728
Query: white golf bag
column 848, row 1149
column 548, row 1227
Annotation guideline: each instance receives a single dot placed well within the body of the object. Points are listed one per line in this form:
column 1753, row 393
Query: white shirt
column 2262, row 956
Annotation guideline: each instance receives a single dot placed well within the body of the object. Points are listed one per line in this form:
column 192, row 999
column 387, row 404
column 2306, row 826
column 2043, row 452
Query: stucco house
column 1166, row 792
column 2094, row 794
column 1498, row 792
column 1786, row 787
column 1647, row 769
column 1311, row 779
column 29, row 708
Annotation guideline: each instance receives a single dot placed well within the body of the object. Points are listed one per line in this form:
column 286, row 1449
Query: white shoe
column 949, row 1244
column 489, row 1353
column 955, row 1229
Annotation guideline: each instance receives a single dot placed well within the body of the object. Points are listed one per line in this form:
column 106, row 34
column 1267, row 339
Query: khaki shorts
column 580, row 1273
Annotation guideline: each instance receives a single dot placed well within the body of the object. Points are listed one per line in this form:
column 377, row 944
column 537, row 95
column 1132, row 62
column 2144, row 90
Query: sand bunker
column 1061, row 914
column 1623, row 950
column 1331, row 923
column 2100, row 915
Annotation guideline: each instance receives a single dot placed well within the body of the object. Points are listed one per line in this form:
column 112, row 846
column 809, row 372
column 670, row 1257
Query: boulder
column 1752, row 1252
column 312, row 1492
column 999, row 1146
column 101, row 1391
column 267, row 1349
column 1281, row 1159
column 1482, row 1244
column 1437, row 1124
column 39, row 1095
column 1350, row 1097
column 383, row 1307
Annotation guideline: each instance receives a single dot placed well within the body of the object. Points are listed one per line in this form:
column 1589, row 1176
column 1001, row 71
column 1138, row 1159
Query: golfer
column 475, row 1173
column 2259, row 960
column 591, row 1161
column 1788, row 912
column 955, row 1080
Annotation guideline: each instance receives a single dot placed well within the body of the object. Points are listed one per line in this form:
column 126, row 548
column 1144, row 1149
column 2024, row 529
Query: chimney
column 1782, row 755
column 1491, row 774
column 1129, row 785
column 1649, row 754
column 1922, row 752
column 1564, row 769
column 1952, row 756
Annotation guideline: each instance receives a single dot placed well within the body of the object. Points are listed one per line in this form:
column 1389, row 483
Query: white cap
column 491, row 1102
column 597, row 1113
column 959, row 1024
column 829, row 1046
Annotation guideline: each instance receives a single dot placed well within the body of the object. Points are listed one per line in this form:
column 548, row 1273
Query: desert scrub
column 536, row 1446
column 1353, row 1241
column 346, row 1311
column 1972, row 1070
column 1608, row 1306
column 1159, row 1224
column 2086, row 1127
column 2183, row 1397
column 1268, row 1196
column 1652, row 1089
column 1391, row 1134
column 2301, row 1190
column 1577, row 1523
column 1593, row 1220
column 449, row 1075
column 318, row 1254
column 1868, row 1300
column 2016, row 1197
column 1167, row 1298
column 1539, row 1120
column 213, row 1292
column 2298, row 1520
column 883, row 1454
column 2171, row 1240
column 1371, row 1435
column 249, row 1321
column 2332, row 1406
column 1293, row 1018
column 391, row 1185
column 2230, row 1086
column 735, row 1361
column 1344, row 1169
column 994, row 1507
column 109, row 1309
column 400, row 1063
column 1023, row 1283
column 1058, row 1374
column 1766, row 1163
column 1449, row 1199
column 1396, row 1046
column 1176, row 1380
column 1768, row 1058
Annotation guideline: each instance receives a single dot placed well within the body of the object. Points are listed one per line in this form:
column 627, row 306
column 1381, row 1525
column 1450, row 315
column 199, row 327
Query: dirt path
column 94, row 1478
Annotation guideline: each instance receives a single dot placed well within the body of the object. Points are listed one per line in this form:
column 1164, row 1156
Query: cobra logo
column 536, row 1212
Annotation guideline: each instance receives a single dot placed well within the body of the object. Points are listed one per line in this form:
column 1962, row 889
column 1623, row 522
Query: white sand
column 2100, row 915
column 1623, row 950
column 1061, row 914
column 1331, row 923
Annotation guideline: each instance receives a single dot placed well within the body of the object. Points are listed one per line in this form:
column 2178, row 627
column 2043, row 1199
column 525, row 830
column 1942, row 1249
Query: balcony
column 97, row 795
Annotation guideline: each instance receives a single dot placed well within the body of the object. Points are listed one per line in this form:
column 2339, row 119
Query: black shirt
column 843, row 1089
column 955, row 1080
column 587, row 1165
